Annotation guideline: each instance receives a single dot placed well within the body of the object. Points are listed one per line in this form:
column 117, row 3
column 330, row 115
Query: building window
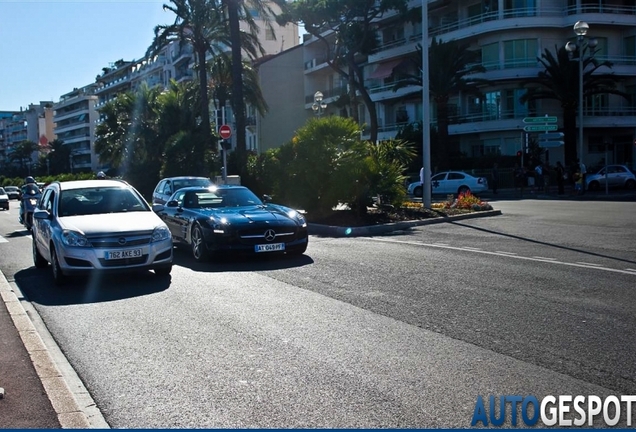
column 520, row 53
column 490, row 56
column 254, row 13
column 629, row 47
column 269, row 34
column 513, row 104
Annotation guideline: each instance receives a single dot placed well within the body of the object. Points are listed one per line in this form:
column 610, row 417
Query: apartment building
column 509, row 35
column 35, row 124
column 75, row 118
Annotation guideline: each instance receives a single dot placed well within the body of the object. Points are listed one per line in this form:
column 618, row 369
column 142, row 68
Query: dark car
column 13, row 192
column 229, row 219
column 167, row 186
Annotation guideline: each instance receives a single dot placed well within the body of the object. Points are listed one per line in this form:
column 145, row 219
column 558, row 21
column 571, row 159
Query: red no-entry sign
column 225, row 131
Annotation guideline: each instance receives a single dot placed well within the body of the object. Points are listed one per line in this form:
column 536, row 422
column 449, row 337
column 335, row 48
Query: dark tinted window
column 456, row 176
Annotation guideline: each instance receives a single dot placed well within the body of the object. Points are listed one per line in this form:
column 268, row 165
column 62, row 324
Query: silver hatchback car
column 98, row 225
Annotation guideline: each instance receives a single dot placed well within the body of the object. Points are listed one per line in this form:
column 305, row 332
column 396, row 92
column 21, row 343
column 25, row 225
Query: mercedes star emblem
column 270, row 235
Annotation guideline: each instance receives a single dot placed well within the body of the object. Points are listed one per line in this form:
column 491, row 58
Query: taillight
column 480, row 180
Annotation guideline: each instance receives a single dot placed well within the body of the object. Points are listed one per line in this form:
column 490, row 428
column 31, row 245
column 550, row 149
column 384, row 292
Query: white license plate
column 270, row 247
column 122, row 254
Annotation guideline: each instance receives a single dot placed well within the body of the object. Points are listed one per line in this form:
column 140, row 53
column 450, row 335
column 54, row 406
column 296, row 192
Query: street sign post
column 540, row 128
column 545, row 119
column 553, row 139
column 225, row 131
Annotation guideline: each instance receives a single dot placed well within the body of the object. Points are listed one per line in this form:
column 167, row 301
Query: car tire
column 58, row 276
column 38, row 260
column 463, row 189
column 197, row 243
column 163, row 271
column 417, row 192
column 630, row 184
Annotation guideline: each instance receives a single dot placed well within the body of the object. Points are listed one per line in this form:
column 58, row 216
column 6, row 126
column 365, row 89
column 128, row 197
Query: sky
column 49, row 47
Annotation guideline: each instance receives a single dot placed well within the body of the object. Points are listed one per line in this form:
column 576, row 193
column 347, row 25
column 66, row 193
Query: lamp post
column 580, row 29
column 318, row 104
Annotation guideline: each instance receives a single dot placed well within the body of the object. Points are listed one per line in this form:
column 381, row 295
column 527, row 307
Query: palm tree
column 560, row 81
column 238, row 10
column 451, row 65
column 202, row 24
column 22, row 152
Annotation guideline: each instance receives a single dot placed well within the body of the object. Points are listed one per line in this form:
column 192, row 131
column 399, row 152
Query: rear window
column 179, row 184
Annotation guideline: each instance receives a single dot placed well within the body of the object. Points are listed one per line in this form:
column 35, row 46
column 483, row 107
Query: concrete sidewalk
column 36, row 393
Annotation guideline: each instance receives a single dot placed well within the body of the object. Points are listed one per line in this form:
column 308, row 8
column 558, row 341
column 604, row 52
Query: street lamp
column 318, row 104
column 580, row 29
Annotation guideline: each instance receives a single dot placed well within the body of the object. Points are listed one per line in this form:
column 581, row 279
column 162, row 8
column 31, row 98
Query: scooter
column 29, row 200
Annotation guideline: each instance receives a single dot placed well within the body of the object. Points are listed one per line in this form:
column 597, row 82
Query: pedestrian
column 561, row 176
column 495, row 178
column 520, row 178
column 546, row 177
column 538, row 176
column 582, row 174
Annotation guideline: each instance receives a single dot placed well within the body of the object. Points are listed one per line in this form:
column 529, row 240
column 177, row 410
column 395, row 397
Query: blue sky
column 49, row 47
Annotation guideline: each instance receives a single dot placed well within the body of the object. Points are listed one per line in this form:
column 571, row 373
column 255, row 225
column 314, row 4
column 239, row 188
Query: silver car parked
column 618, row 176
column 98, row 225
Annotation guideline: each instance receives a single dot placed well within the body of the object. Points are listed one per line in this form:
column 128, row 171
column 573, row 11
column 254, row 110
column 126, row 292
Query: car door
column 42, row 232
column 454, row 181
column 438, row 183
column 618, row 177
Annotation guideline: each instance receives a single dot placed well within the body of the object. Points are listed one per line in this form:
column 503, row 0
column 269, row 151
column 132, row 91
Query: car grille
column 113, row 241
column 123, row 262
column 257, row 235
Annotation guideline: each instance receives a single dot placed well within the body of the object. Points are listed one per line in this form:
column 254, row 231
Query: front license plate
column 121, row 254
column 270, row 247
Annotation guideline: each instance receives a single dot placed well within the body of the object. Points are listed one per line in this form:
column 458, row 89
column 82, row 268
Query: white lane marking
column 544, row 258
column 507, row 253
column 633, row 272
column 471, row 248
column 589, row 264
column 3, row 240
column 631, row 269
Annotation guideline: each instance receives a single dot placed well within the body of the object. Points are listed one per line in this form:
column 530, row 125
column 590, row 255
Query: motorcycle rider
column 30, row 192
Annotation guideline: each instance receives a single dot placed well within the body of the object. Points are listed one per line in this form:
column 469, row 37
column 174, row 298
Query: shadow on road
column 38, row 286
column 516, row 237
column 183, row 258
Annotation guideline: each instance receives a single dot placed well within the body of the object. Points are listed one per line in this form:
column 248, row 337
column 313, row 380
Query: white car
column 451, row 182
column 98, row 225
column 4, row 199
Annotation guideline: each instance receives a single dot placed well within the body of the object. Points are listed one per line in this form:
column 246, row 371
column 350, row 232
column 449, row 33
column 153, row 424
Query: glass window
column 520, row 53
column 456, row 176
column 629, row 46
column 269, row 34
column 439, row 177
column 490, row 56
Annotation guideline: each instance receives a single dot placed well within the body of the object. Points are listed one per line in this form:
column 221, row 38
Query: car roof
column 81, row 184
column 186, row 178
column 11, row 187
column 198, row 188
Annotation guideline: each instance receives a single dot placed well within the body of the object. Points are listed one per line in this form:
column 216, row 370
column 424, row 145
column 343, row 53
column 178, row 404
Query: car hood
column 112, row 222
column 239, row 215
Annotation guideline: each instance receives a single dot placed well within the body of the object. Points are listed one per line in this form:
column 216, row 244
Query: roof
column 80, row 184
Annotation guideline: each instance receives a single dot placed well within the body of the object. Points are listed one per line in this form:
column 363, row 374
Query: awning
column 384, row 70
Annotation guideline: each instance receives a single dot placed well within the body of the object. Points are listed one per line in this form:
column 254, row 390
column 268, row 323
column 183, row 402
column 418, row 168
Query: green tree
column 451, row 66
column 58, row 157
column 560, row 81
column 353, row 24
column 243, row 10
column 23, row 152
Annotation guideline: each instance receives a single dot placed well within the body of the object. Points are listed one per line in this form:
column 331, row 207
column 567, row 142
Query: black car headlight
column 296, row 215
column 218, row 226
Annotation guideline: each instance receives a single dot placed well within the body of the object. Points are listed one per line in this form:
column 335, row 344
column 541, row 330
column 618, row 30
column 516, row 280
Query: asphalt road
column 403, row 330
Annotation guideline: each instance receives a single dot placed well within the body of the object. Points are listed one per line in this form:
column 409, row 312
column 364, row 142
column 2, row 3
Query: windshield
column 99, row 200
column 196, row 182
column 2, row 192
column 216, row 198
column 30, row 189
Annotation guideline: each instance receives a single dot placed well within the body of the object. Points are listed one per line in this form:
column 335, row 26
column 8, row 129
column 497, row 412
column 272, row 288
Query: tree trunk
column 205, row 112
column 238, row 104
column 373, row 114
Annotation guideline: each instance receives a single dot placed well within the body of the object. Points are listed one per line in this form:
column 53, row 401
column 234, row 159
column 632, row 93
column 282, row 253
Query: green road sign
column 540, row 128
column 540, row 120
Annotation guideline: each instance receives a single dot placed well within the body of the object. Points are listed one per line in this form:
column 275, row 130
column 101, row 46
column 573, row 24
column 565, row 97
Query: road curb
column 63, row 399
column 366, row 231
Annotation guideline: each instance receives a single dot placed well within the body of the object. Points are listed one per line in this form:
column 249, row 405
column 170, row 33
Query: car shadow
column 183, row 258
column 38, row 286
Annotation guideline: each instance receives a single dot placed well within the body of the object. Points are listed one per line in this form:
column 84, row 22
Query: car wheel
column 630, row 184
column 58, row 276
column 199, row 251
column 463, row 189
column 594, row 186
column 38, row 259
column 163, row 271
column 417, row 191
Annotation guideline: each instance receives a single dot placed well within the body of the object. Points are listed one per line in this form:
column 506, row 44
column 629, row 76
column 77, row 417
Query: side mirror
column 173, row 203
column 158, row 208
column 267, row 198
column 41, row 214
